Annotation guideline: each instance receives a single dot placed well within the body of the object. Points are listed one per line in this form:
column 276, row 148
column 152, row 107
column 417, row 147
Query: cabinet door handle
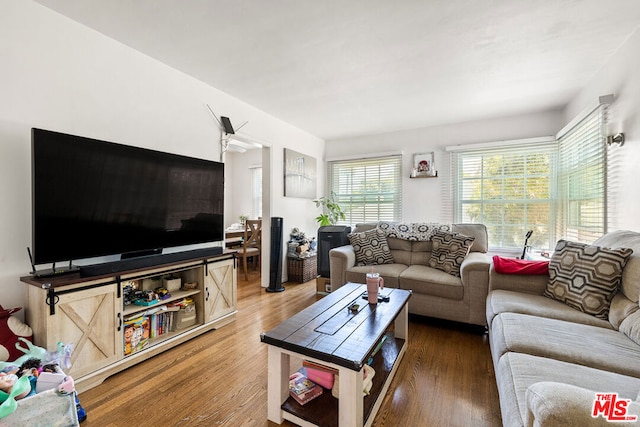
column 119, row 322
column 207, row 289
column 51, row 300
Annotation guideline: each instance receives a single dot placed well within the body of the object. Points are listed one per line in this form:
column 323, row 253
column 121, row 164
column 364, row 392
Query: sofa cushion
column 429, row 281
column 630, row 284
column 479, row 231
column 566, row 341
column 371, row 247
column 449, row 250
column 621, row 308
column 501, row 301
column 586, row 277
column 630, row 326
column 389, row 272
column 400, row 250
column 516, row 372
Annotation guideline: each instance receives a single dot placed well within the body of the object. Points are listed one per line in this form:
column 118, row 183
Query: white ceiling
column 338, row 68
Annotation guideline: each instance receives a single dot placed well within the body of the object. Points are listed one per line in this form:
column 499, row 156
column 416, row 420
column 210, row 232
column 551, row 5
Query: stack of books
column 302, row 389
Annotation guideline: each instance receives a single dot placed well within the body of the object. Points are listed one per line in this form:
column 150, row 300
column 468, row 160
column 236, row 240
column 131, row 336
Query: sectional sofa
column 556, row 362
column 447, row 290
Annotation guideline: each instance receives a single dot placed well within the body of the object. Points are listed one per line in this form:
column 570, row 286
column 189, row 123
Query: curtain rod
column 495, row 144
column 367, row 156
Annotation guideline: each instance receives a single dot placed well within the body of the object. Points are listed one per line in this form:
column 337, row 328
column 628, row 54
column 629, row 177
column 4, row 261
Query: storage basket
column 185, row 317
column 302, row 269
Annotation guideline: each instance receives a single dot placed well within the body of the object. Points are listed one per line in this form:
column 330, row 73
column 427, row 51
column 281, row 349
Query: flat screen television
column 95, row 198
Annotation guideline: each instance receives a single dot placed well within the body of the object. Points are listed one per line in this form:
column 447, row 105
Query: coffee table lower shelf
column 323, row 410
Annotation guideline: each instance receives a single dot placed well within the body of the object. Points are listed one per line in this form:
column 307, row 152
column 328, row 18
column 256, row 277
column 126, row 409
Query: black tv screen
column 95, row 198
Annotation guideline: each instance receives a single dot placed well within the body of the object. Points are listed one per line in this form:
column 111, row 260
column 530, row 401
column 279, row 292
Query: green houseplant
column 331, row 211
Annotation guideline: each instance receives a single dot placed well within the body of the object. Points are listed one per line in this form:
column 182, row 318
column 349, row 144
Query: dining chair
column 251, row 243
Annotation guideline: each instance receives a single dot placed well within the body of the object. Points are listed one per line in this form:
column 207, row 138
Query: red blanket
column 519, row 266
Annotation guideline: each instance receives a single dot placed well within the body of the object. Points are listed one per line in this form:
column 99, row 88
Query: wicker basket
column 302, row 269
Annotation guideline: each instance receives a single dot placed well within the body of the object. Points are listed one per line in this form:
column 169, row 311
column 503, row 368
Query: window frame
column 510, row 231
column 379, row 176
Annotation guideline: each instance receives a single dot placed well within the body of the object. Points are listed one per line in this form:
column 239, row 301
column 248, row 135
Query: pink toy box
column 320, row 374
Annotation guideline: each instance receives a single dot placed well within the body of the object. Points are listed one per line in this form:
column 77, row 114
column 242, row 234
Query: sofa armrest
column 474, row 273
column 551, row 404
column 532, row 284
column 340, row 259
column 475, row 261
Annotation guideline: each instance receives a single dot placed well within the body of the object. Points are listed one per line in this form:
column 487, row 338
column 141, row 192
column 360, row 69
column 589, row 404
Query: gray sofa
column 551, row 359
column 435, row 292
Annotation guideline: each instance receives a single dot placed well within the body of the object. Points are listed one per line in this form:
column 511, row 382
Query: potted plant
column 331, row 211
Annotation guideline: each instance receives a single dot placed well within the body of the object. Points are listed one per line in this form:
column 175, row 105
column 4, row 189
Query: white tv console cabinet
column 89, row 312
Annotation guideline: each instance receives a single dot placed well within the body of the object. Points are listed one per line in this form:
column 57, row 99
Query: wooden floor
column 220, row 378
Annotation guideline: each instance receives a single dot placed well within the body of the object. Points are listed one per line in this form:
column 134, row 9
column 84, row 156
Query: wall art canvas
column 299, row 175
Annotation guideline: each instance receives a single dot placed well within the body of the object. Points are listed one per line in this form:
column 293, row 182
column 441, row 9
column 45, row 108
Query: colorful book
column 136, row 334
column 302, row 389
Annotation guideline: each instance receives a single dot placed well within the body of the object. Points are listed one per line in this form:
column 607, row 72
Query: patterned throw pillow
column 586, row 277
column 449, row 250
column 371, row 247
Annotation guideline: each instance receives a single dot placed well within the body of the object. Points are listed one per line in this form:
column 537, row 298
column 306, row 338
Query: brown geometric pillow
column 586, row 277
column 371, row 247
column 449, row 250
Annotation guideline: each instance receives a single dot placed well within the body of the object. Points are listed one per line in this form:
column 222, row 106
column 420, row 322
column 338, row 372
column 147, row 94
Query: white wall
column 57, row 74
column 621, row 78
column 422, row 199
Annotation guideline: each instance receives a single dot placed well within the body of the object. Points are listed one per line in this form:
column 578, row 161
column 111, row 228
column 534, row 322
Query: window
column 368, row 190
column 582, row 179
column 256, row 192
column 555, row 188
column 510, row 190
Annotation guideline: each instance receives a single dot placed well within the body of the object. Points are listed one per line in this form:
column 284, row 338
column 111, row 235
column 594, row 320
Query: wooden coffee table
column 330, row 333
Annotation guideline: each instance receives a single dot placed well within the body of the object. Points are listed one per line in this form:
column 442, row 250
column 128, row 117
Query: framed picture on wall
column 423, row 165
column 299, row 175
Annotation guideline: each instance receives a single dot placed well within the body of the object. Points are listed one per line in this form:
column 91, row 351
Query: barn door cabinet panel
column 108, row 333
column 83, row 318
column 220, row 290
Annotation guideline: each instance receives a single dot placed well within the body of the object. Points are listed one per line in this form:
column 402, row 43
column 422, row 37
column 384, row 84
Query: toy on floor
column 11, row 329
column 61, row 356
column 12, row 388
column 35, row 371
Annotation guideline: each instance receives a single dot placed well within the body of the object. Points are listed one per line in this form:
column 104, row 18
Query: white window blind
column 509, row 189
column 368, row 189
column 256, row 192
column 581, row 180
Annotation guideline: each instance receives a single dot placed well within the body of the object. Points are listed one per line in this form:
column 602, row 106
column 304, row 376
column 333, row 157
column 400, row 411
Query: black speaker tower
column 275, row 270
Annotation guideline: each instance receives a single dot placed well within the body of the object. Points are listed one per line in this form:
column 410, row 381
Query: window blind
column 256, row 192
column 581, row 179
column 510, row 189
column 369, row 189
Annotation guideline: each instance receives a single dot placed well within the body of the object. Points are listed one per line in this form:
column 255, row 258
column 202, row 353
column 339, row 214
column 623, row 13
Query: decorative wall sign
column 299, row 175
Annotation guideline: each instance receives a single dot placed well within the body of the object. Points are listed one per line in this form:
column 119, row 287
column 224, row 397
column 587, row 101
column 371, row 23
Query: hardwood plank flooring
column 220, row 378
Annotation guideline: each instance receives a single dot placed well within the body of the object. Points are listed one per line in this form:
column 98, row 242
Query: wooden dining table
column 233, row 237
